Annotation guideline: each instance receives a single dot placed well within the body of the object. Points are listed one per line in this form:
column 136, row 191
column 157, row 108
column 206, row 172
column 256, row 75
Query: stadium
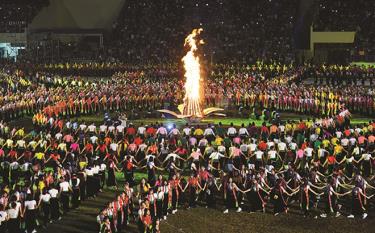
column 193, row 116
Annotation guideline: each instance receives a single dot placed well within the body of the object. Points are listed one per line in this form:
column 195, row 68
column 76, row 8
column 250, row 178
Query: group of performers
column 149, row 88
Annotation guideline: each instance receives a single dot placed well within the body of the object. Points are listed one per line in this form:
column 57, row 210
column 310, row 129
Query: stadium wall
column 68, row 14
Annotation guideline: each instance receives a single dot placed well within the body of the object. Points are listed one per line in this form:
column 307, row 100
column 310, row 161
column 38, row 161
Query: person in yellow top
column 198, row 132
column 218, row 140
column 288, row 127
column 39, row 156
column 334, row 141
column 326, row 143
column 338, row 149
column 20, row 132
column 309, row 124
column 318, row 130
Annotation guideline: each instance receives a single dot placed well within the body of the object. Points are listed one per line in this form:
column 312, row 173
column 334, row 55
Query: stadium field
column 202, row 220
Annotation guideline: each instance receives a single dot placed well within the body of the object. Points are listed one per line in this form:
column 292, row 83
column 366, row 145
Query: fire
column 192, row 74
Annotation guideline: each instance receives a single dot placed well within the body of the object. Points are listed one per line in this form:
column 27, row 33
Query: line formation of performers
column 63, row 162
column 149, row 89
column 247, row 168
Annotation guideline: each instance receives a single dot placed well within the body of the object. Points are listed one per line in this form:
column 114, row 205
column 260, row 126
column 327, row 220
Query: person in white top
column 14, row 212
column 281, row 146
column 44, row 200
column 65, row 188
column 114, row 146
column 58, row 136
column 174, row 132
column 30, row 213
column 93, row 139
column 83, row 126
column 308, row 151
column 209, row 132
column 3, row 220
column 243, row 131
column 103, row 129
column 92, row 128
column 187, row 130
column 111, row 129
column 141, row 130
column 120, row 129
column 162, row 131
column 232, row 132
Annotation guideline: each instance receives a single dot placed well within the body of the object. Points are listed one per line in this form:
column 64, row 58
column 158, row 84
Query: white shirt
column 352, row 141
column 64, row 186
column 30, row 205
column 141, row 130
column 89, row 172
column 21, row 143
column 259, row 154
column 293, row 146
column 270, row 144
column 171, row 155
column 120, row 128
column 58, row 136
column 82, row 126
column 13, row 213
column 93, row 139
column 308, row 151
column 95, row 170
column 53, row 193
column 221, row 149
column 281, row 128
column 216, row 155
column 208, row 131
column 3, row 217
column 366, row 157
column 272, row 154
column 344, row 142
column 187, row 131
column 111, row 128
column 231, row 131
column 252, row 147
column 321, row 152
column 92, row 128
column 45, row 197
column 102, row 128
column 243, row 131
column 288, row 139
column 113, row 146
column 281, row 146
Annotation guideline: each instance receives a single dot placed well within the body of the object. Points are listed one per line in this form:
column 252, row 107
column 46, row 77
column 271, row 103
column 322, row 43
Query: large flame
column 193, row 76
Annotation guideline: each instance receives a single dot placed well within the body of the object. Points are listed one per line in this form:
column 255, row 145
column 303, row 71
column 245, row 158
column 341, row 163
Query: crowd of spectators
column 15, row 15
column 238, row 30
column 355, row 16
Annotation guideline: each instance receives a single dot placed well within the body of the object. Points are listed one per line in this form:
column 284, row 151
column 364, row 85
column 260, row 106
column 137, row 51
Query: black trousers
column 14, row 225
column 65, row 201
column 46, row 206
column 55, row 208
